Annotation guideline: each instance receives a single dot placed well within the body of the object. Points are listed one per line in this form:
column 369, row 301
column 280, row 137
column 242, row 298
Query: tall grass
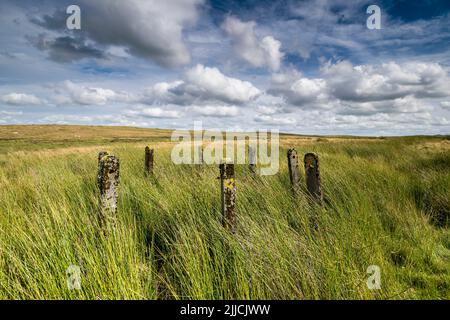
column 386, row 204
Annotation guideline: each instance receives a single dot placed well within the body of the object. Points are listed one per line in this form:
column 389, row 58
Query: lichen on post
column 101, row 154
column 293, row 170
column 108, row 184
column 228, row 195
column 312, row 176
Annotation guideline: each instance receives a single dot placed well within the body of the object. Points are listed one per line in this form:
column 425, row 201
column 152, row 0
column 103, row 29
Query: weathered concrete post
column 293, row 169
column 228, row 195
column 252, row 159
column 108, row 183
column 148, row 162
column 312, row 176
column 200, row 156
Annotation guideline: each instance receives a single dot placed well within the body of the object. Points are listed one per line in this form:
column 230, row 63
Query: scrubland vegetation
column 387, row 203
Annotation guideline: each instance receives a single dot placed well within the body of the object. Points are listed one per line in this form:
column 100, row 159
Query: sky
column 307, row 67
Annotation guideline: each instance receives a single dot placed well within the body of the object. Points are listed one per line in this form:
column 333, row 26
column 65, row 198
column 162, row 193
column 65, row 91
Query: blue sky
column 310, row 67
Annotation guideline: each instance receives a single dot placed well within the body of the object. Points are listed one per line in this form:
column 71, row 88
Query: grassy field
column 387, row 203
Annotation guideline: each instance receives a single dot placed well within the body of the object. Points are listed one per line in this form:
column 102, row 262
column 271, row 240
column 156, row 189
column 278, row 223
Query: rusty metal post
column 293, row 170
column 312, row 176
column 148, row 162
column 252, row 159
column 228, row 196
column 108, row 183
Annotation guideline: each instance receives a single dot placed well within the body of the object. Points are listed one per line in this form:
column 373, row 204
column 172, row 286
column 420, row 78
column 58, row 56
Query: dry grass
column 82, row 133
column 386, row 204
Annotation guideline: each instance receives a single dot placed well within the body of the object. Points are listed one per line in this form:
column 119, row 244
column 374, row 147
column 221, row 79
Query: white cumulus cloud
column 445, row 104
column 276, row 120
column 154, row 112
column 258, row 52
column 202, row 85
column 88, row 95
column 215, row 111
column 386, row 81
column 151, row 29
column 148, row 28
column 20, row 99
column 365, row 89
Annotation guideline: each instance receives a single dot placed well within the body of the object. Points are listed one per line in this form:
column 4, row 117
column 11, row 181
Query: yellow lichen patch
column 229, row 183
